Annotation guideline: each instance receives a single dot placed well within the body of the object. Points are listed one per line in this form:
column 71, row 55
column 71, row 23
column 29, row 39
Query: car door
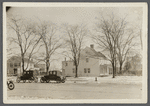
column 54, row 75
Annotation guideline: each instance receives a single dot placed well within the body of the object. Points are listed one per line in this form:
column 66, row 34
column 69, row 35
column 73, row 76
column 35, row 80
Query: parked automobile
column 53, row 76
column 10, row 84
column 27, row 75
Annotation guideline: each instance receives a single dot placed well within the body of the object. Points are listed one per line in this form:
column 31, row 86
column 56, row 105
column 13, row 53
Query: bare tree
column 50, row 41
column 115, row 36
column 124, row 44
column 106, row 37
column 126, row 37
column 74, row 40
column 25, row 38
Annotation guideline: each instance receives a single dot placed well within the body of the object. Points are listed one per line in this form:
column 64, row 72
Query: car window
column 50, row 72
column 54, row 72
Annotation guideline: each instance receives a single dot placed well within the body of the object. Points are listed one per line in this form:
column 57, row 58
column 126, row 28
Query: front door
column 15, row 71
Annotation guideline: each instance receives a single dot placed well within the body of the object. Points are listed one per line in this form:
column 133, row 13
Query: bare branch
column 74, row 40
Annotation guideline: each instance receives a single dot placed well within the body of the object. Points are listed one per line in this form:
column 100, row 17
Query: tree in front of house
column 107, row 32
column 25, row 37
column 126, row 41
column 50, row 41
column 136, row 63
column 127, row 66
column 115, row 35
column 74, row 41
column 133, row 64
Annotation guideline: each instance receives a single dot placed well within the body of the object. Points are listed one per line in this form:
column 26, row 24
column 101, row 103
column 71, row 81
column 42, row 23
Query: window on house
column 87, row 60
column 73, row 70
column 15, row 64
column 15, row 71
column 11, row 65
column 66, row 64
column 63, row 70
column 84, row 70
column 88, row 70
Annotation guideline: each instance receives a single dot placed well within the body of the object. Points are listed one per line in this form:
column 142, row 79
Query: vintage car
column 10, row 84
column 27, row 75
column 53, row 76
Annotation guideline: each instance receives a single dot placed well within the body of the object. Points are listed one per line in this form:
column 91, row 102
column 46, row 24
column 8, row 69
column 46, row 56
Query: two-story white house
column 14, row 65
column 92, row 64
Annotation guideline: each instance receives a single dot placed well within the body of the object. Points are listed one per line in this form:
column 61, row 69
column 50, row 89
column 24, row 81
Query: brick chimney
column 92, row 46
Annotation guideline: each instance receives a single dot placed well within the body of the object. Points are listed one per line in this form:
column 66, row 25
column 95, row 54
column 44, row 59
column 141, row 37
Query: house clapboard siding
column 92, row 64
column 14, row 65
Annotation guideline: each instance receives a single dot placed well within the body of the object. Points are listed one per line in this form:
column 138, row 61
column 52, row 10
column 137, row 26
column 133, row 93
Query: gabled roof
column 90, row 52
column 18, row 59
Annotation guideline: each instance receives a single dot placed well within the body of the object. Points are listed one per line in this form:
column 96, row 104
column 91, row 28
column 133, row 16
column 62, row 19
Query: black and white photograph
column 75, row 52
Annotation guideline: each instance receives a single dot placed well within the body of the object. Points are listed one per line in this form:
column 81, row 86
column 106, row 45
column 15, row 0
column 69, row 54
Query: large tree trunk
column 22, row 59
column 47, row 59
column 76, row 71
column 115, row 71
column 121, row 68
column 47, row 65
column 113, row 66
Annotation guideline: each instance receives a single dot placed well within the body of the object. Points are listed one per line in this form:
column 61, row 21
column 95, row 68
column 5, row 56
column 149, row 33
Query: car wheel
column 63, row 81
column 24, row 81
column 11, row 86
column 41, row 80
column 18, row 79
column 47, row 81
column 35, row 79
column 58, row 80
column 30, row 81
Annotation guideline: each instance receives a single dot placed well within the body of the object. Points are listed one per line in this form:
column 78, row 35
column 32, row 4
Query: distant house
column 92, row 63
column 14, row 65
column 41, row 67
column 134, row 64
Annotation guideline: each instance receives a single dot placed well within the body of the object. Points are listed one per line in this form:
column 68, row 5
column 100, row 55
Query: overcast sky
column 76, row 15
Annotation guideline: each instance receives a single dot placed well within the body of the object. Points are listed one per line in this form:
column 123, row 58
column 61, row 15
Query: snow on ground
column 27, row 98
column 109, row 82
column 107, row 79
